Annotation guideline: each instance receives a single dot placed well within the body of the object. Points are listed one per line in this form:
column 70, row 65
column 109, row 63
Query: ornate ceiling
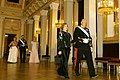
column 23, row 8
column 35, row 6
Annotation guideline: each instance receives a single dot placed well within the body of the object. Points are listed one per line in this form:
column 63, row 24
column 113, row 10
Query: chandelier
column 105, row 7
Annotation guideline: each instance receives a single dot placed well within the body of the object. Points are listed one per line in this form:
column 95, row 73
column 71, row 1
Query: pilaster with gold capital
column 23, row 26
column 36, row 25
column 43, row 31
column 30, row 21
column 119, row 27
column 54, row 5
column 36, row 17
column 29, row 31
column 90, row 9
column 53, row 30
column 44, row 12
column 68, row 18
column 1, row 35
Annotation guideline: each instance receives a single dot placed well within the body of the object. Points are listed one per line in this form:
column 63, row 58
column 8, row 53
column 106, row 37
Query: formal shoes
column 77, row 74
column 67, row 77
column 95, row 76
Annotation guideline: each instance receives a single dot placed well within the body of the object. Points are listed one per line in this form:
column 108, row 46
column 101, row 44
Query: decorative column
column 75, row 14
column 119, row 25
column 43, row 31
column 110, row 31
column 53, row 30
column 68, row 18
column 1, row 35
column 36, row 24
column 23, row 4
column 30, row 30
column 119, row 28
column 99, row 36
column 23, row 26
column 110, row 27
column 99, row 33
column 90, row 15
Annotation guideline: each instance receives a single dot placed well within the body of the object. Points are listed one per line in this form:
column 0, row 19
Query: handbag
column 58, row 59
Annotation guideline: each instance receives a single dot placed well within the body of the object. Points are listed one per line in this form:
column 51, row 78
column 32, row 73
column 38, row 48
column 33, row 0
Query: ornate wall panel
column 12, row 25
column 11, row 12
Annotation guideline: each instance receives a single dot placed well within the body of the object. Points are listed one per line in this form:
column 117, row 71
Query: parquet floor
column 46, row 71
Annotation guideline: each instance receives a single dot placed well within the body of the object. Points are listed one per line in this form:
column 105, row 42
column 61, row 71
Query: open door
column 8, row 39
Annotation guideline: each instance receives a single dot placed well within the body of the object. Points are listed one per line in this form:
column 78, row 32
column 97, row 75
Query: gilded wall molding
column 11, row 12
column 12, row 25
column 35, row 6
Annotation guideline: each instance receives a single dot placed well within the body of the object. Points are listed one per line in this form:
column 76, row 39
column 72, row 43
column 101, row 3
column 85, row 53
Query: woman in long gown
column 64, row 46
column 13, row 51
column 34, row 52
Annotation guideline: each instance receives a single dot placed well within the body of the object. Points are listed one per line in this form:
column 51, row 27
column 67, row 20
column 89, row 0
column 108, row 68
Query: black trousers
column 88, row 56
column 22, row 54
column 63, row 67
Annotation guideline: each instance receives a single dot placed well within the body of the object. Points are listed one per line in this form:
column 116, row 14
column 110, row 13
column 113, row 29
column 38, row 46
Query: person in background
column 34, row 58
column 83, row 42
column 22, row 44
column 64, row 47
column 13, row 51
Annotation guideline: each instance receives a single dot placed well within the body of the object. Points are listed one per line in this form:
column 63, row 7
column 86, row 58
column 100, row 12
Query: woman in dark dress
column 64, row 47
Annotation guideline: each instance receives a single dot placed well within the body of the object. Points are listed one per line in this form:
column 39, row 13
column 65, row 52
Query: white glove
column 26, row 50
column 85, row 41
column 91, row 49
column 29, row 51
column 60, row 52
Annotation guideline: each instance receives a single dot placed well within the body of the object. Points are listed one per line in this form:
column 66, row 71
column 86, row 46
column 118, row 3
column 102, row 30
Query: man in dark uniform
column 22, row 44
column 83, row 42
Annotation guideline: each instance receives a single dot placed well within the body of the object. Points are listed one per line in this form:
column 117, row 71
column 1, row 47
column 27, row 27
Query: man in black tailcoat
column 22, row 44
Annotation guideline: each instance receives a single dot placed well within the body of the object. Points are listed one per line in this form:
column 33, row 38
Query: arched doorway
column 8, row 39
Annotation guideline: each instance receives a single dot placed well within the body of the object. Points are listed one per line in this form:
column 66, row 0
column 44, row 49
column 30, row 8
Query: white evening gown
column 13, row 53
column 34, row 53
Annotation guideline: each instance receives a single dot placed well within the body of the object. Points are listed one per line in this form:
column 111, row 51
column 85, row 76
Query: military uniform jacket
column 22, row 43
column 78, row 37
column 63, row 40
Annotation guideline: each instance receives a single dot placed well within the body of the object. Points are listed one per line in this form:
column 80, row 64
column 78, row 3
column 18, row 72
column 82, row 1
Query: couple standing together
column 83, row 42
column 22, row 45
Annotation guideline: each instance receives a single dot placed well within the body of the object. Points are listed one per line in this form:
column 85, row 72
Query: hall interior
column 43, row 18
